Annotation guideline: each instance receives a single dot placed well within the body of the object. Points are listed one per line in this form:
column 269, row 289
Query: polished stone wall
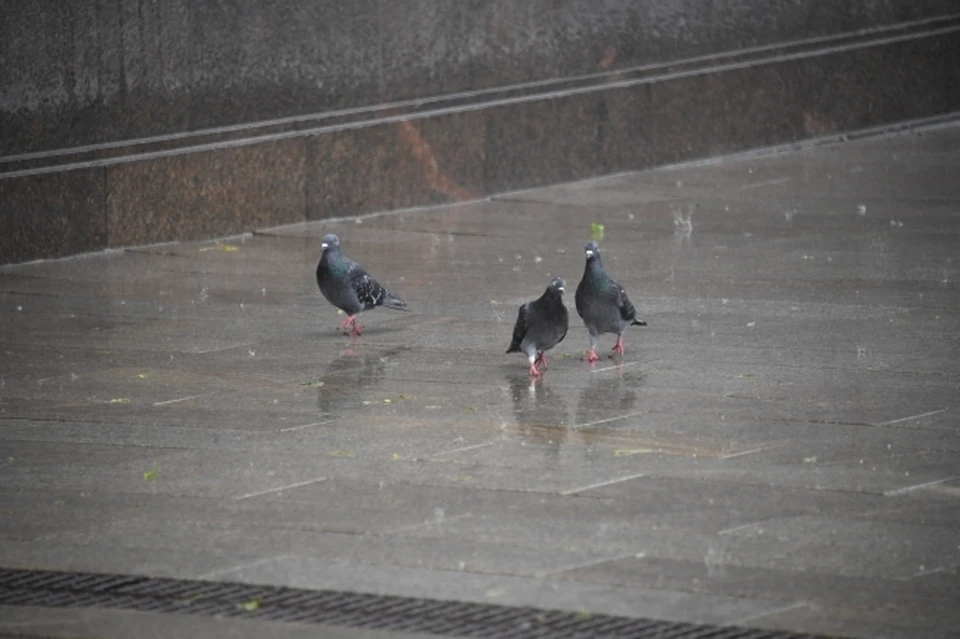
column 133, row 122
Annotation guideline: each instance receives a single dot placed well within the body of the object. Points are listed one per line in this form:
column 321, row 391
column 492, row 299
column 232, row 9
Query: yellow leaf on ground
column 626, row 452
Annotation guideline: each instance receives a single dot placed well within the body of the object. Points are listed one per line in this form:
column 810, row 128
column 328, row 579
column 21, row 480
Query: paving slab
column 780, row 447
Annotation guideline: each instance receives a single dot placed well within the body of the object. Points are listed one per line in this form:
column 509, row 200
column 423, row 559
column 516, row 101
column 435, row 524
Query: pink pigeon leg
column 618, row 347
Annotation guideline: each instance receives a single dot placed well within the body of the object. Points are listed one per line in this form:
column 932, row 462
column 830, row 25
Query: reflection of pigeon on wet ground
column 540, row 412
column 605, row 396
column 350, row 288
column 536, row 403
column 541, row 325
column 603, row 304
column 349, row 378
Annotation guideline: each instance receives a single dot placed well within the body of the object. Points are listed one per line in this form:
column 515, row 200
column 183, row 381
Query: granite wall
column 134, row 121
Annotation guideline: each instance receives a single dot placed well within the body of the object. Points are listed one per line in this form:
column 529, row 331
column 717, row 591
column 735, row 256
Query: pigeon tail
column 394, row 302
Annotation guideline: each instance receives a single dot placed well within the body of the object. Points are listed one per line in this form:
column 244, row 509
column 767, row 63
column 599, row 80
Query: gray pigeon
column 350, row 288
column 541, row 325
column 603, row 304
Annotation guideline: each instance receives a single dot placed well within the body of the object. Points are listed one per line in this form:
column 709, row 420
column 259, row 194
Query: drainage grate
column 356, row 610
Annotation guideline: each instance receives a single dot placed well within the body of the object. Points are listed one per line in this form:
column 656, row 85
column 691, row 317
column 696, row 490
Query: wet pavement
column 779, row 448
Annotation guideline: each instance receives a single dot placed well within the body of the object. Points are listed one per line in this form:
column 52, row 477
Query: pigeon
column 350, row 288
column 541, row 325
column 603, row 304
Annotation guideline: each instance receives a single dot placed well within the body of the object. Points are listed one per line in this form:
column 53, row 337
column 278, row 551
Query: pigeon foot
column 351, row 321
column 591, row 357
column 618, row 347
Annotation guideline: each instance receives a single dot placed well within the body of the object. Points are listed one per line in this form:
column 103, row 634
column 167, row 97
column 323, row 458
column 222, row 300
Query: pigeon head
column 591, row 249
column 330, row 242
column 558, row 284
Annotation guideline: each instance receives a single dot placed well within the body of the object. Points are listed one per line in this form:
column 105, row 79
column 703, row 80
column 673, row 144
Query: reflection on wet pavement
column 783, row 436
column 608, row 393
column 351, row 376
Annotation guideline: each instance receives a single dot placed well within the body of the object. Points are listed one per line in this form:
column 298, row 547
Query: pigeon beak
column 589, row 253
column 560, row 288
column 324, row 246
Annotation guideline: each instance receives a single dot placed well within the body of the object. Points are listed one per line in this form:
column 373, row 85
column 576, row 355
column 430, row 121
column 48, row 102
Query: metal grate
column 356, row 610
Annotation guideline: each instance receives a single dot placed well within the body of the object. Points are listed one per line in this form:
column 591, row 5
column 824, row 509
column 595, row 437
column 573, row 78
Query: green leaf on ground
column 250, row 606
column 596, row 232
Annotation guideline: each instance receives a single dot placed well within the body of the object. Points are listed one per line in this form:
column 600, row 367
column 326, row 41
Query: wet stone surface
column 780, row 447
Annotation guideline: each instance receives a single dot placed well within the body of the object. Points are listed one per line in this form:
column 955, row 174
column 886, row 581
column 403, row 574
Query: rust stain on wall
column 609, row 55
column 816, row 124
column 424, row 154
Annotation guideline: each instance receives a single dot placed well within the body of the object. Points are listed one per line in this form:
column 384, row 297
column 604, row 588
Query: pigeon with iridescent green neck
column 350, row 288
column 603, row 304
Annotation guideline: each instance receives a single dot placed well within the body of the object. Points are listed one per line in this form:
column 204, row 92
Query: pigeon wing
column 627, row 311
column 369, row 291
column 519, row 329
column 566, row 325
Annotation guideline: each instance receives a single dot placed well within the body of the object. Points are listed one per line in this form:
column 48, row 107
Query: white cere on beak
column 323, row 246
column 560, row 288
column 588, row 252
